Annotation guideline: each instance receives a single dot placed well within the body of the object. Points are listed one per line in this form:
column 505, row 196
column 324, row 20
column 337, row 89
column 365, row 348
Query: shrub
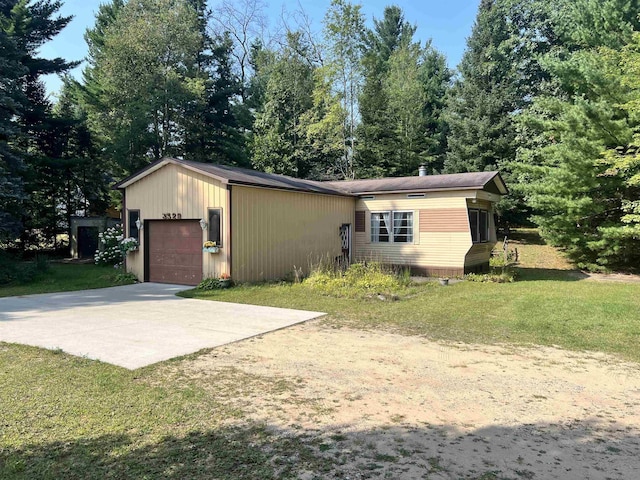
column 114, row 246
column 209, row 284
column 13, row 269
column 360, row 279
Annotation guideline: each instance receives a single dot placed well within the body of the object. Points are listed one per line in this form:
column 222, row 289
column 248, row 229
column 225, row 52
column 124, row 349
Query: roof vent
column 422, row 171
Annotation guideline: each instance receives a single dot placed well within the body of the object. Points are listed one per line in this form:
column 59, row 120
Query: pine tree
column 582, row 176
column 482, row 132
column 24, row 27
column 389, row 34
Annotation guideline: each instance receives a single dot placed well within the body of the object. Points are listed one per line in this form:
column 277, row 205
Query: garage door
column 175, row 252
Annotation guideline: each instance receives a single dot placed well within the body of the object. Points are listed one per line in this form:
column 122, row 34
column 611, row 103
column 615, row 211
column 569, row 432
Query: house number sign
column 171, row 216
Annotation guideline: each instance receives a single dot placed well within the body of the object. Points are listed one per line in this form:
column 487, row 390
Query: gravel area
column 380, row 405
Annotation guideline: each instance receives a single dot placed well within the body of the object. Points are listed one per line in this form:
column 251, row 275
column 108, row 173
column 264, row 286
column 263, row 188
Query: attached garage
column 264, row 226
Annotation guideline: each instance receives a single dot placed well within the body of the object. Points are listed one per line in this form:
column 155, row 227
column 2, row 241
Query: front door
column 345, row 239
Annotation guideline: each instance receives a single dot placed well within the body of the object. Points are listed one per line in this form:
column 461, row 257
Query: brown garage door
column 175, row 252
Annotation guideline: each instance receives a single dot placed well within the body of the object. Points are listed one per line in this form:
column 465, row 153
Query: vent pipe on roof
column 422, row 171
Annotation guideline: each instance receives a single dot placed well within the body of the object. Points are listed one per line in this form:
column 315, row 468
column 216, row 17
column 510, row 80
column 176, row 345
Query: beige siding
column 174, row 189
column 431, row 250
column 480, row 253
column 273, row 231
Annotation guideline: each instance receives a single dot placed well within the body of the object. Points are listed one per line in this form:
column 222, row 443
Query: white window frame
column 391, row 227
column 389, row 230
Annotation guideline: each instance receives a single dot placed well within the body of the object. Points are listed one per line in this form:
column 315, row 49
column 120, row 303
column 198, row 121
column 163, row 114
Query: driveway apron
column 135, row 325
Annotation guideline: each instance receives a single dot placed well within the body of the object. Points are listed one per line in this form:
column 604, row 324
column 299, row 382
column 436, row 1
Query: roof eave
column 417, row 190
column 157, row 165
column 289, row 189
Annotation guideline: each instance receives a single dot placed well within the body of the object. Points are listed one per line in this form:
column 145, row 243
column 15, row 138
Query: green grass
column 67, row 417
column 550, row 304
column 64, row 277
column 576, row 315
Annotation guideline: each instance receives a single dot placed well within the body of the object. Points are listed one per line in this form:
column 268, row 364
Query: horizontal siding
column 443, row 249
column 174, row 189
column 479, row 253
column 444, row 220
column 274, row 231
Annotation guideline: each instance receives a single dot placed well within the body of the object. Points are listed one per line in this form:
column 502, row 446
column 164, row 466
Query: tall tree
column 11, row 100
column 344, row 28
column 581, row 177
column 24, row 27
column 482, row 131
column 389, row 34
column 279, row 141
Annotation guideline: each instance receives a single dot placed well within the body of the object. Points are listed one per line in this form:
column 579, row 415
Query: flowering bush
column 114, row 246
column 129, row 244
column 225, row 276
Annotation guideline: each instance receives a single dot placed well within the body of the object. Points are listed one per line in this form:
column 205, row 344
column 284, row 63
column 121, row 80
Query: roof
column 242, row 176
column 453, row 181
column 238, row 176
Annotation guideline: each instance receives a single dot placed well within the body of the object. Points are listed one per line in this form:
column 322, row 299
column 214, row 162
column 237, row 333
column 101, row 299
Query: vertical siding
column 174, row 189
column 273, row 230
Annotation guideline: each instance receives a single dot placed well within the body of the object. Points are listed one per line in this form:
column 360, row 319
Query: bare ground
column 381, row 405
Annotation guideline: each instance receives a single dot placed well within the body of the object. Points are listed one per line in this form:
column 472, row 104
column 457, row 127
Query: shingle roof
column 454, row 181
column 243, row 176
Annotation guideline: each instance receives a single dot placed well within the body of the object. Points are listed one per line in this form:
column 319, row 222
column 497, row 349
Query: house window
column 396, row 227
column 479, row 223
column 380, row 227
column 215, row 226
column 134, row 216
column 403, row 227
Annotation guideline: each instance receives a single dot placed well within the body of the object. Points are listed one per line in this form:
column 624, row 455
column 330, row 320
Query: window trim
column 390, row 233
column 220, row 241
column 487, row 231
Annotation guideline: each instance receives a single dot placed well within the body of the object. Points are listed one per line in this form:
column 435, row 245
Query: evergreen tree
column 388, row 35
column 482, row 131
column 581, row 177
column 278, row 144
column 11, row 101
column 24, row 27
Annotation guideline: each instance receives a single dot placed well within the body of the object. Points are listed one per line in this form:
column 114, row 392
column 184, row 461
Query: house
column 266, row 225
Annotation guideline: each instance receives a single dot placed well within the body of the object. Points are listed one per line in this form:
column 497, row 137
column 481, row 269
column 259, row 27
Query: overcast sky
column 447, row 23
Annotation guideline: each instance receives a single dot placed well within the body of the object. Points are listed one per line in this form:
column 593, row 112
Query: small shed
column 265, row 225
column 84, row 234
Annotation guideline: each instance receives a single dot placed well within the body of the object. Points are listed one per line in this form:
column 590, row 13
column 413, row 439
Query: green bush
column 13, row 269
column 360, row 279
column 209, row 284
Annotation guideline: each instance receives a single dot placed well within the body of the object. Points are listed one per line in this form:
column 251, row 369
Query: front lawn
column 64, row 277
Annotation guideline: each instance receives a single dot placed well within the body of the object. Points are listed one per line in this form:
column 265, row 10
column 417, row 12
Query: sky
column 447, row 23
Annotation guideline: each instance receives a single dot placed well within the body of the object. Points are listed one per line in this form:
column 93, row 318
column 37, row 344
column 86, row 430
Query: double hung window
column 392, row 227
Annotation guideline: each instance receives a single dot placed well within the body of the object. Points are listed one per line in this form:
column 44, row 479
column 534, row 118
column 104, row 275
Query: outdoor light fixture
column 139, row 224
column 203, row 224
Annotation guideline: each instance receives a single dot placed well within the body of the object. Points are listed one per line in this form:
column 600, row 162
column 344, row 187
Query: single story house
column 265, row 225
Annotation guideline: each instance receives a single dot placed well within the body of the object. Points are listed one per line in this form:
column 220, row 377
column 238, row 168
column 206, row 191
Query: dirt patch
column 379, row 405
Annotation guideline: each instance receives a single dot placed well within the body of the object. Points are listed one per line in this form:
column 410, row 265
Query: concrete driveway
column 135, row 325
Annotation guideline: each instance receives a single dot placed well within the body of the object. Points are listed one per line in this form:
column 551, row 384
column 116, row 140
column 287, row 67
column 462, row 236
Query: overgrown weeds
column 358, row 280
